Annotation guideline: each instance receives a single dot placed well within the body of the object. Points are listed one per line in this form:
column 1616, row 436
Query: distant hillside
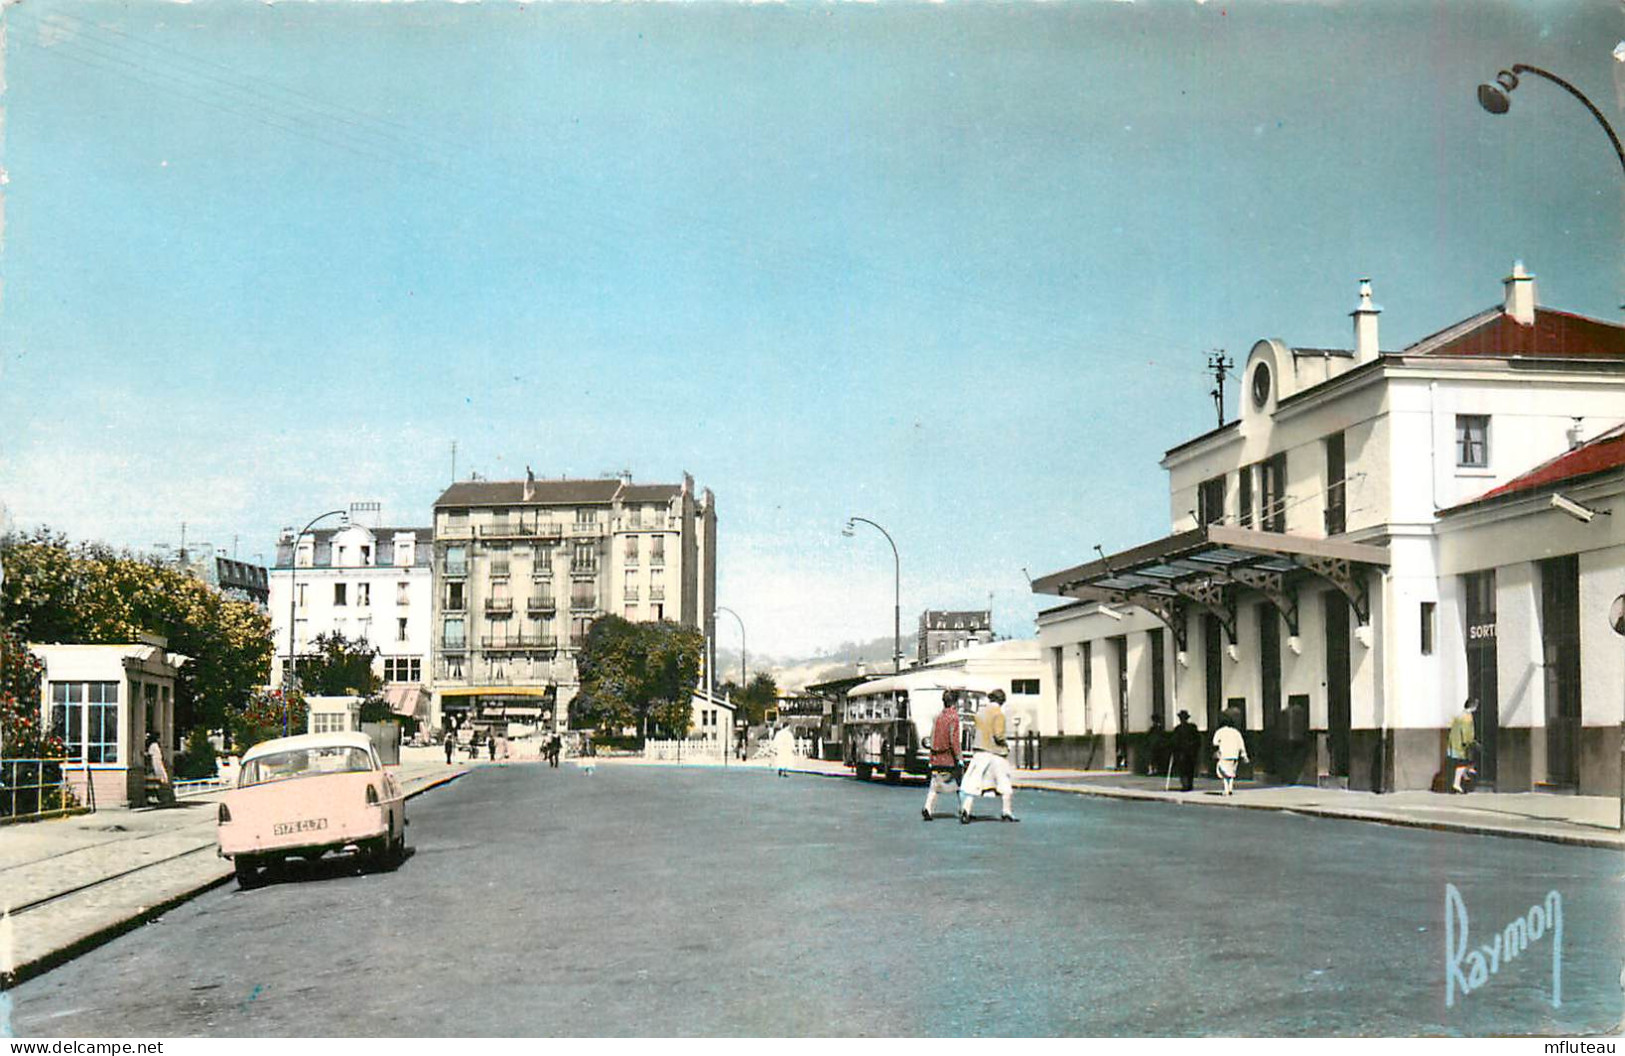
column 798, row 672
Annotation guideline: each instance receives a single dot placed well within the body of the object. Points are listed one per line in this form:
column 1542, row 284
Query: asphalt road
column 658, row 901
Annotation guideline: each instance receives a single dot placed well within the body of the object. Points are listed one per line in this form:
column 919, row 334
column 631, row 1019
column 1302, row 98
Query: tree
column 57, row 591
column 754, row 700
column 637, row 673
column 339, row 667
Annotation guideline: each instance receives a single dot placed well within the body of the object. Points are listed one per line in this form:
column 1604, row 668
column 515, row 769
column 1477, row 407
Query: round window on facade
column 1261, row 384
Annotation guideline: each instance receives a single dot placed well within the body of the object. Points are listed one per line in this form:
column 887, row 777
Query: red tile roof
column 1559, row 335
column 545, row 492
column 1597, row 455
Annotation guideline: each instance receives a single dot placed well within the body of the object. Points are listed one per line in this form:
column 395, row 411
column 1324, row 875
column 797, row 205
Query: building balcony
column 544, row 603
column 657, row 593
column 454, row 606
column 503, row 606
column 649, row 524
column 455, row 531
column 631, row 594
column 517, row 642
column 521, row 528
column 593, row 530
column 454, row 645
column 583, row 568
column 457, row 569
column 583, row 605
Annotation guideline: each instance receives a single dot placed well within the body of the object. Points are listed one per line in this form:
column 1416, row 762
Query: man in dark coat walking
column 1187, row 746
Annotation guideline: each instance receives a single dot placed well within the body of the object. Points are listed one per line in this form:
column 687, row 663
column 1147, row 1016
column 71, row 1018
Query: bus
column 887, row 724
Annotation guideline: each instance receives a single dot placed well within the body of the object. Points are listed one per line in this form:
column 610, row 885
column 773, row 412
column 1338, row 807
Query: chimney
column 1576, row 432
column 1520, row 303
column 1365, row 325
column 530, row 485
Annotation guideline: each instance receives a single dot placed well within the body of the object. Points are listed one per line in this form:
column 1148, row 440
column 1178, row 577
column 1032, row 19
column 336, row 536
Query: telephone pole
column 1220, row 365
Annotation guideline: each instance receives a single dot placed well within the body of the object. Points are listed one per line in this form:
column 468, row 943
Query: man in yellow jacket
column 1460, row 742
column 989, row 761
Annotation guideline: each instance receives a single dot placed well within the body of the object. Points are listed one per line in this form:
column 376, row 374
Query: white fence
column 695, row 748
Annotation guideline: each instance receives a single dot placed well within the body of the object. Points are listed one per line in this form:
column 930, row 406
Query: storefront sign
column 1480, row 631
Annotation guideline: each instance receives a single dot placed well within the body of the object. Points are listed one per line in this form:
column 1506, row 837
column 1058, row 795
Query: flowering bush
column 23, row 735
column 263, row 717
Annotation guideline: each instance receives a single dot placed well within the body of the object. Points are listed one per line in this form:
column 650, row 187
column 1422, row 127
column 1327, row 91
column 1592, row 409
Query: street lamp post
column 743, row 677
column 1496, row 98
column 726, row 747
column 291, row 681
column 897, row 590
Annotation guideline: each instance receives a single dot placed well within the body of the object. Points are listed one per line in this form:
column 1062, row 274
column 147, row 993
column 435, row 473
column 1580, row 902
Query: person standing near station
column 989, row 761
column 451, row 746
column 784, row 749
column 1187, row 745
column 1231, row 749
column 946, row 764
column 159, row 771
column 1459, row 745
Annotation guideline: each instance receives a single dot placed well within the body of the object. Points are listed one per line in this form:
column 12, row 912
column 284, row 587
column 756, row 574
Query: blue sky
column 954, row 268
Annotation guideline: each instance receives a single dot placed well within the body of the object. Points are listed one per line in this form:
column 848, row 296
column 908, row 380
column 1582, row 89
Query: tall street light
column 1496, row 98
column 743, row 678
column 292, row 680
column 897, row 590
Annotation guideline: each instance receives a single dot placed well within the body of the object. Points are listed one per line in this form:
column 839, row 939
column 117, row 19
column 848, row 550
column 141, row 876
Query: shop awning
column 1204, row 568
column 407, row 698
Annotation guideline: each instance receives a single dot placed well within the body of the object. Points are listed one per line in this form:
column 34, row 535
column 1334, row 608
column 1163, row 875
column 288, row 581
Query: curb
column 49, row 815
column 1466, row 828
column 1463, row 828
column 101, row 936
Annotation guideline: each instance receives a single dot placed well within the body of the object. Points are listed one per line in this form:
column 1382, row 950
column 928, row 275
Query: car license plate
column 288, row 828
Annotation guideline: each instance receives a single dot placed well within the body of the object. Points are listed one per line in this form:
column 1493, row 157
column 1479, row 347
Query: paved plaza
column 645, row 900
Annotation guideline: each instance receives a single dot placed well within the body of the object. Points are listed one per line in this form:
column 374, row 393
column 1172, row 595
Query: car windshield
column 304, row 762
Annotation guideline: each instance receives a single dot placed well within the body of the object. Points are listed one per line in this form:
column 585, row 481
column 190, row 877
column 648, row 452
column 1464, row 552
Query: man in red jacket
column 945, row 759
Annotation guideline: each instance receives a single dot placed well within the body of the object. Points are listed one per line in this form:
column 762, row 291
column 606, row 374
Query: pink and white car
column 301, row 797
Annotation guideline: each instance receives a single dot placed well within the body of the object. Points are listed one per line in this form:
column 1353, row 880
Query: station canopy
column 1205, row 568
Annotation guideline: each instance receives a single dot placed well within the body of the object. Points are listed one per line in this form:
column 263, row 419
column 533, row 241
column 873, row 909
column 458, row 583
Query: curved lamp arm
column 897, row 590
column 1496, row 98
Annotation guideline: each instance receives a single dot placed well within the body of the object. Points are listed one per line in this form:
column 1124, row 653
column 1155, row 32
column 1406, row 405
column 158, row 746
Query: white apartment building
column 523, row 567
column 366, row 582
column 1311, row 588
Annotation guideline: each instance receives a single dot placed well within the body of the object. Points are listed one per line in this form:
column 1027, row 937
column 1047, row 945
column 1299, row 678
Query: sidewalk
column 69, row 884
column 1585, row 821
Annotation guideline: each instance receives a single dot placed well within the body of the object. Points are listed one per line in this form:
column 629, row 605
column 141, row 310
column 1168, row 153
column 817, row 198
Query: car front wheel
column 248, row 871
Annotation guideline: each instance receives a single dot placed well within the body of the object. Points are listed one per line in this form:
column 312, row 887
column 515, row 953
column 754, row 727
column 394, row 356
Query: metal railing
column 493, row 643
column 34, row 787
column 521, row 529
column 198, row 787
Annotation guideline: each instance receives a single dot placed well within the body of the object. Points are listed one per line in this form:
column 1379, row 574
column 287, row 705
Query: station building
column 1348, row 559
